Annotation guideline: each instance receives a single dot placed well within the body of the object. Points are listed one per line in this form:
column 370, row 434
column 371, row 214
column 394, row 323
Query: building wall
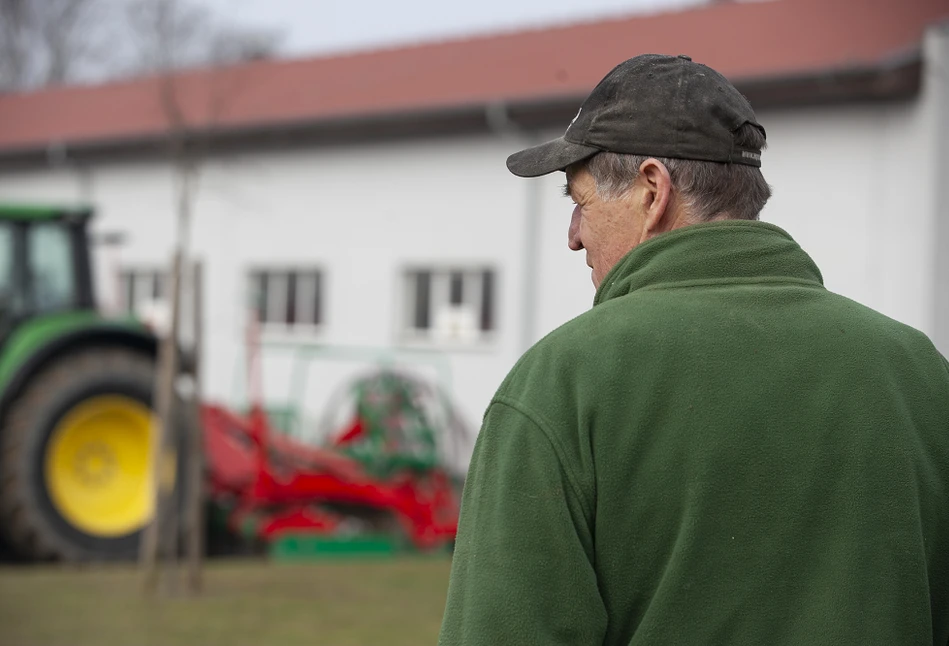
column 848, row 187
column 363, row 214
column 935, row 167
column 847, row 181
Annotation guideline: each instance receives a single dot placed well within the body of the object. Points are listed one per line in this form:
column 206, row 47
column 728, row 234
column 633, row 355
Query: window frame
column 277, row 302
column 133, row 274
column 440, row 296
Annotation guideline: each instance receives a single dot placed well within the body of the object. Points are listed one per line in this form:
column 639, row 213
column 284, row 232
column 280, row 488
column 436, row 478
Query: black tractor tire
column 33, row 526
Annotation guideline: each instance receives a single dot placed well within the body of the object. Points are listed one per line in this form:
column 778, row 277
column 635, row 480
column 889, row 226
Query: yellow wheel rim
column 97, row 469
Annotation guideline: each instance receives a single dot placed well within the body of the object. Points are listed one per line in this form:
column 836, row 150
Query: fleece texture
column 721, row 451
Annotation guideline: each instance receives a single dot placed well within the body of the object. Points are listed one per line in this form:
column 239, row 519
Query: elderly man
column 720, row 451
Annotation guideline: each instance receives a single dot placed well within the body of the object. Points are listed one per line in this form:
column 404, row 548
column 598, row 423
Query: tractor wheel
column 77, row 481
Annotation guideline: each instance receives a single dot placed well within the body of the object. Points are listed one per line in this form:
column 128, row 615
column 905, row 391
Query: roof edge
column 898, row 77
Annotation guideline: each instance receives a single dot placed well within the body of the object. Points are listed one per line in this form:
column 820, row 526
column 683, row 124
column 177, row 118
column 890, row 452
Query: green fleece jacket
column 720, row 451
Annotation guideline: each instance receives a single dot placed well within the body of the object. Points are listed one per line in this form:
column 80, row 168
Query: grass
column 342, row 603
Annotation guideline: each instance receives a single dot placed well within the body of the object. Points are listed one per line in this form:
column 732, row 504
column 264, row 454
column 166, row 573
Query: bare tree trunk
column 163, row 438
column 169, row 26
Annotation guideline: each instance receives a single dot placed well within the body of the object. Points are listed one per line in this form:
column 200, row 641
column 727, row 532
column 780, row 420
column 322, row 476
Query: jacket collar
column 726, row 251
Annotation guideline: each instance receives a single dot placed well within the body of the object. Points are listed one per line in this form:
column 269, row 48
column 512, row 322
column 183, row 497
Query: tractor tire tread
column 28, row 531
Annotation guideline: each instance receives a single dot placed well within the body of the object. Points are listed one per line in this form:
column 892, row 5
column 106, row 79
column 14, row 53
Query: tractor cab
column 44, row 264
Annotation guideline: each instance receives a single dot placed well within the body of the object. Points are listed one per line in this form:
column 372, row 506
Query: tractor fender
column 99, row 333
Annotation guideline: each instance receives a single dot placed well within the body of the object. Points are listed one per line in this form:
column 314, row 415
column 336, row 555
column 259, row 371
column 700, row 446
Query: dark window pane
column 127, row 280
column 487, row 300
column 158, row 285
column 423, row 289
column 259, row 281
column 317, row 300
column 291, row 316
column 457, row 288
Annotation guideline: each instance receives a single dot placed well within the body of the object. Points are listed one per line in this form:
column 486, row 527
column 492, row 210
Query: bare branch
column 44, row 42
column 49, row 41
column 179, row 34
column 17, row 29
column 66, row 33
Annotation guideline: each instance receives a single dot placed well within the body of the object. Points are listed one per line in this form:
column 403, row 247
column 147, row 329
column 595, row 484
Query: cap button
column 684, row 57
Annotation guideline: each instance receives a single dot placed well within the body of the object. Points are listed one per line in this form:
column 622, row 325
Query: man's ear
column 656, row 198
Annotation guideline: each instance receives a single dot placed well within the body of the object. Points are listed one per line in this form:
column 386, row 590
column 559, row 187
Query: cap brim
column 549, row 157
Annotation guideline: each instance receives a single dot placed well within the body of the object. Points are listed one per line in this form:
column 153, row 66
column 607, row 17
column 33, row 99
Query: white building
column 366, row 196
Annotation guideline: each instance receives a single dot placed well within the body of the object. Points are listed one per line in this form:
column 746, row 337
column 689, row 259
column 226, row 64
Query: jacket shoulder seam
column 537, row 420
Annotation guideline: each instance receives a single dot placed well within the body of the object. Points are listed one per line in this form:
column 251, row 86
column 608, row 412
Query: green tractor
column 76, row 387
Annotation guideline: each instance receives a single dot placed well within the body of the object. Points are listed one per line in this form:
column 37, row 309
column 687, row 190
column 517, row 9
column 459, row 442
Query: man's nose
column 573, row 234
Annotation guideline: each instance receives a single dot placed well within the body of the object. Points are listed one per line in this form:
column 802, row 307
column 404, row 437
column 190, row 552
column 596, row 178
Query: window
column 51, row 271
column 287, row 299
column 454, row 304
column 142, row 288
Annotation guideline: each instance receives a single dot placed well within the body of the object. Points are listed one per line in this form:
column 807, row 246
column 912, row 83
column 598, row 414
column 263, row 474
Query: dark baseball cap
column 660, row 106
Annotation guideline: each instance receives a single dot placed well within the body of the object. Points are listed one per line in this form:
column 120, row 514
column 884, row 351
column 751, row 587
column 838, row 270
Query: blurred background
column 369, row 270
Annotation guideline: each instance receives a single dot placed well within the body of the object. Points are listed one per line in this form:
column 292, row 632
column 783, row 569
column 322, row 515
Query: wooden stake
column 195, row 481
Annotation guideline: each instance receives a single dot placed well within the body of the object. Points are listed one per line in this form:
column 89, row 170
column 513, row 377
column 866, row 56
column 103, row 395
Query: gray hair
column 709, row 189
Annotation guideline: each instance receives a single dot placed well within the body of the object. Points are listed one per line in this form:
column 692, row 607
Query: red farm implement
column 375, row 486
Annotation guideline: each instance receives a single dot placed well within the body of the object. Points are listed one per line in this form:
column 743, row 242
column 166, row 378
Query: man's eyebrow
column 566, row 190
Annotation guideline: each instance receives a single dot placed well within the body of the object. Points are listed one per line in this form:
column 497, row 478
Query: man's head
column 660, row 143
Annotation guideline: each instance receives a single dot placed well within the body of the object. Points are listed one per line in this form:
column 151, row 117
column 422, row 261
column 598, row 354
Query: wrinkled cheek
column 573, row 233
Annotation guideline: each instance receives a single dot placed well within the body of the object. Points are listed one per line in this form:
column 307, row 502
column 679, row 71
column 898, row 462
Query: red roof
column 768, row 39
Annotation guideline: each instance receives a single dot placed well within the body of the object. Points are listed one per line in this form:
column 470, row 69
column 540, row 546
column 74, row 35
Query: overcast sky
column 316, row 26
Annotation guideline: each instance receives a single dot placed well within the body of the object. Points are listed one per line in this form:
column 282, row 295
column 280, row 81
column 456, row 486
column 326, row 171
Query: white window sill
column 278, row 332
column 421, row 341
